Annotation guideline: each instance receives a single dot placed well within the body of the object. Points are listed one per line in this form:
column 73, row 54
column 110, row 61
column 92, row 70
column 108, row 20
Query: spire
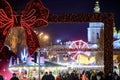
column 97, row 7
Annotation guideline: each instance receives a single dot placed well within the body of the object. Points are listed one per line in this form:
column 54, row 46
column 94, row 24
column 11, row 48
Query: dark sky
column 66, row 31
column 71, row 6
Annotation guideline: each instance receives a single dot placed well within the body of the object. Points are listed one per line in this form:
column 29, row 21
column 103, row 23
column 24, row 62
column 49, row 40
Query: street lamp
column 41, row 37
column 40, row 34
column 46, row 37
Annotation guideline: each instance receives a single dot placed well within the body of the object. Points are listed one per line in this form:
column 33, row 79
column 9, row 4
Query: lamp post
column 41, row 37
column 39, row 65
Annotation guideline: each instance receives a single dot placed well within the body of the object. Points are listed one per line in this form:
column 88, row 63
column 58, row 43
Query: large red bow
column 35, row 15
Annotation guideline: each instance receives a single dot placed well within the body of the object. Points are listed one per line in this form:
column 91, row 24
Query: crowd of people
column 47, row 76
column 87, row 75
column 14, row 77
column 74, row 75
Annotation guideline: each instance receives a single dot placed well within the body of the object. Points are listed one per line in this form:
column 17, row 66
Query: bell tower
column 94, row 31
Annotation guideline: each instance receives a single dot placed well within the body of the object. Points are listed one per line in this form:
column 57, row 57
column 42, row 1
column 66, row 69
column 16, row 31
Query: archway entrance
column 106, row 18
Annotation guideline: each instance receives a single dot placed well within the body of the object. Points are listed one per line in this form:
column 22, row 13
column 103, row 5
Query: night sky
column 73, row 6
column 61, row 31
column 66, row 31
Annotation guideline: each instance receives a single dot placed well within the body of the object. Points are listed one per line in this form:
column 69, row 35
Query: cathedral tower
column 94, row 31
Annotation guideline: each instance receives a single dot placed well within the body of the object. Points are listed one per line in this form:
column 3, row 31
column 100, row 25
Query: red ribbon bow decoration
column 34, row 15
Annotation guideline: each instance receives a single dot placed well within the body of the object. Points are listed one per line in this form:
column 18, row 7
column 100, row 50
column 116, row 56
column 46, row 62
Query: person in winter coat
column 50, row 76
column 14, row 77
column 45, row 76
